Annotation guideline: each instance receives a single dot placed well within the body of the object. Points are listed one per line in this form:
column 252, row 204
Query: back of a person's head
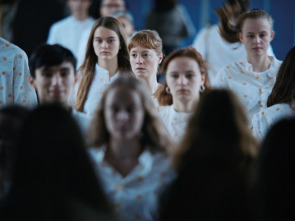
column 214, row 163
column 53, row 172
column 284, row 88
column 50, row 55
column 219, row 128
column 276, row 165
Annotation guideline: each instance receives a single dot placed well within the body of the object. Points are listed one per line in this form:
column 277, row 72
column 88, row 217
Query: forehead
column 183, row 64
column 103, row 32
column 117, row 2
column 63, row 66
column 139, row 49
column 256, row 25
column 123, row 96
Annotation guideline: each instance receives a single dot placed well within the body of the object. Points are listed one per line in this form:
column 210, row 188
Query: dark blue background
column 202, row 11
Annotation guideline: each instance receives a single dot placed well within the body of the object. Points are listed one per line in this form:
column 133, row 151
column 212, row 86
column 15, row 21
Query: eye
column 250, row 36
column 64, row 73
column 189, row 76
column 262, row 35
column 146, row 55
column 175, row 76
column 111, row 41
column 131, row 109
column 133, row 55
column 47, row 74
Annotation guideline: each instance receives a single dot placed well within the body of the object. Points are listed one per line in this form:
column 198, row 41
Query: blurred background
column 201, row 13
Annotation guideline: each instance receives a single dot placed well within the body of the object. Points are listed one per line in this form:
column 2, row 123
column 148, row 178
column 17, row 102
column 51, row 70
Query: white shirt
column 175, row 122
column 253, row 88
column 14, row 74
column 134, row 196
column 218, row 52
column 265, row 119
column 82, row 120
column 100, row 82
column 68, row 31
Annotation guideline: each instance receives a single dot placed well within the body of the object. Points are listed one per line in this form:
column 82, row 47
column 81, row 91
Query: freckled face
column 144, row 62
column 106, row 43
column 256, row 36
column 184, row 78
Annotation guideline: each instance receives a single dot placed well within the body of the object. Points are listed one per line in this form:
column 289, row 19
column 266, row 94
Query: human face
column 109, row 7
column 124, row 113
column 106, row 43
column 144, row 62
column 54, row 83
column 183, row 77
column 128, row 27
column 256, row 36
column 79, row 7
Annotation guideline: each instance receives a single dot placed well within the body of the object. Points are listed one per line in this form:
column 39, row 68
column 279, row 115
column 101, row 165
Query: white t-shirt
column 253, row 88
column 175, row 122
column 68, row 32
column 218, row 52
column 266, row 118
column 14, row 74
column 100, row 82
column 134, row 196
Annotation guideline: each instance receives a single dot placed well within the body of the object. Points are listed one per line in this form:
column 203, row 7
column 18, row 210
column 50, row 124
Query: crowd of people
column 88, row 132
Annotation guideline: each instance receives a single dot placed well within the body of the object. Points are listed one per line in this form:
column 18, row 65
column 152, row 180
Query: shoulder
column 9, row 49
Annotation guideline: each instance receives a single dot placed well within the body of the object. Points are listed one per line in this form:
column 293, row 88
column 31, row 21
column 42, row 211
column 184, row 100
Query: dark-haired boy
column 53, row 75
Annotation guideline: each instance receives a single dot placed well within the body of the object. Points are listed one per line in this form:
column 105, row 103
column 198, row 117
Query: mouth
column 105, row 52
column 182, row 91
column 140, row 69
column 56, row 93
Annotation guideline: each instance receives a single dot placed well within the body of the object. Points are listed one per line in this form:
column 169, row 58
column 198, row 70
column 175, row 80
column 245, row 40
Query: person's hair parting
column 91, row 59
column 189, row 52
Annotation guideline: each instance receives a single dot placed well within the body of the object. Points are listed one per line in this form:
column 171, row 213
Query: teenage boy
column 53, row 75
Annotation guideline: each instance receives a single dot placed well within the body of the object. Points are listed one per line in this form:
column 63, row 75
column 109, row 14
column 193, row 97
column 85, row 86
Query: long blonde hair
column 88, row 66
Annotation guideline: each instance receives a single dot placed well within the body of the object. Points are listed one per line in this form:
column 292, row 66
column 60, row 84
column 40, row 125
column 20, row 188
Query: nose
column 182, row 80
column 122, row 116
column 56, row 79
column 139, row 60
column 257, row 39
column 104, row 44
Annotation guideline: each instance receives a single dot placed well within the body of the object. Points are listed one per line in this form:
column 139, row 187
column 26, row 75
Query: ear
column 31, row 81
column 272, row 35
column 160, row 58
column 203, row 78
column 241, row 37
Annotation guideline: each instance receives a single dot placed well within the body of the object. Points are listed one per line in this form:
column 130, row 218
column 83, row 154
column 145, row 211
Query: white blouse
column 99, row 84
column 135, row 196
column 175, row 122
column 14, row 74
column 253, row 88
column 265, row 119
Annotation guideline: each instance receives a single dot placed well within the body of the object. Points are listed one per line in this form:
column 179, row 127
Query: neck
column 260, row 64
column 124, row 149
column 110, row 65
column 80, row 16
column 152, row 83
column 185, row 106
